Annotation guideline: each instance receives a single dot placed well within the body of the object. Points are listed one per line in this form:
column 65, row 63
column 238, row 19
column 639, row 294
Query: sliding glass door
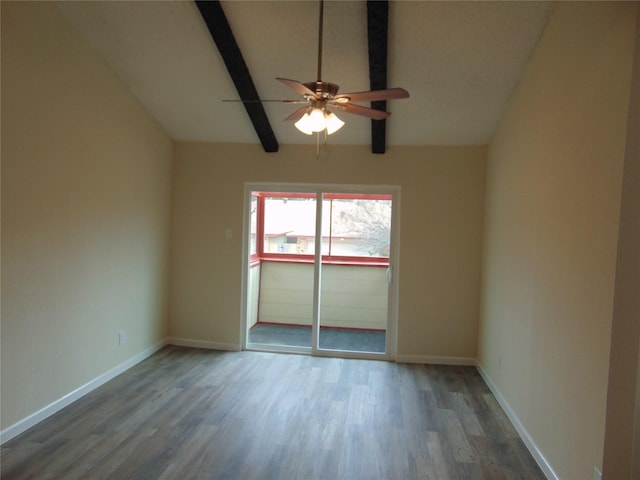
column 318, row 269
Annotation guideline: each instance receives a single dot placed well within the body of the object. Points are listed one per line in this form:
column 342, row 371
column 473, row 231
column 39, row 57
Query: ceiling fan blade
column 297, row 115
column 297, row 86
column 364, row 111
column 373, row 95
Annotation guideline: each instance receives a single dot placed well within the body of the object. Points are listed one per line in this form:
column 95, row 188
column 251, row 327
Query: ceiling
column 460, row 62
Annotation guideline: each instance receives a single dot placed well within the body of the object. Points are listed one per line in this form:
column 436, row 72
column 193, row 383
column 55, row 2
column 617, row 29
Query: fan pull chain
column 322, row 152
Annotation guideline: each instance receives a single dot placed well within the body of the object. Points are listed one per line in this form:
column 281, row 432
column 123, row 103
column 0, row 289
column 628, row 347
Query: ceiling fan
column 319, row 97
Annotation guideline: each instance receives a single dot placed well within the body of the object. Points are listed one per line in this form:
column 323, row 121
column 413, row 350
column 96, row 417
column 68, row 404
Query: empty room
column 320, row 240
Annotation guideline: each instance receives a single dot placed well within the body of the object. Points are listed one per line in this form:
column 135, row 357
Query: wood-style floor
column 200, row 414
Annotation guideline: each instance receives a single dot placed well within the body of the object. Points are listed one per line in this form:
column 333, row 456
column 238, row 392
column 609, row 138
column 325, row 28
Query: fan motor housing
column 323, row 89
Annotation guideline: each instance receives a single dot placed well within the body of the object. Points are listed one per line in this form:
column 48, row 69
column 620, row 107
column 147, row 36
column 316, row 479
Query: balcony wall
column 351, row 296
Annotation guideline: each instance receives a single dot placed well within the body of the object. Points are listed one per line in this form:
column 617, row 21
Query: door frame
column 394, row 262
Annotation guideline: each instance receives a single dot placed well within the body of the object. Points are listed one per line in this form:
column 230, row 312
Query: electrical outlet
column 597, row 474
column 122, row 339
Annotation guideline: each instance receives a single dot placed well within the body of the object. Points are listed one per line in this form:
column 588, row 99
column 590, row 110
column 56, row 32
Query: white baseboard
column 538, row 456
column 436, row 360
column 187, row 342
column 35, row 418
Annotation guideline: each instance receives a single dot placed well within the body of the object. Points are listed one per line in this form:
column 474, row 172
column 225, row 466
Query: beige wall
column 440, row 228
column 552, row 208
column 85, row 204
column 623, row 399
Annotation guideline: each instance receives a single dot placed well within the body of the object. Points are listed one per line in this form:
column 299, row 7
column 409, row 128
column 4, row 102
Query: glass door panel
column 356, row 239
column 283, row 287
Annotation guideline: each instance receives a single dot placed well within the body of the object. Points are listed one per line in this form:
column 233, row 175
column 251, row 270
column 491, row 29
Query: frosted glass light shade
column 333, row 123
column 304, row 124
column 317, row 121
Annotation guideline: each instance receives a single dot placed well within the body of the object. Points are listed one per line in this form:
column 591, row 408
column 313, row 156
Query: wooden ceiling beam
column 377, row 32
column 222, row 35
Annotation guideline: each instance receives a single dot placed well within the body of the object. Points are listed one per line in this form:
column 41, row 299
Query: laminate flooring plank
column 325, row 464
column 469, row 471
column 17, row 462
column 457, row 441
column 442, row 465
column 499, row 416
column 215, row 455
column 199, row 414
column 94, row 455
column 420, row 378
column 501, row 461
column 526, row 463
column 67, row 454
column 331, row 371
column 124, row 454
column 466, row 414
column 423, row 468
column 190, row 454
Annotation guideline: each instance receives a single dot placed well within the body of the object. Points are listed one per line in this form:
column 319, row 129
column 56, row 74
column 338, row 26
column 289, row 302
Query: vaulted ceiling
column 460, row 61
